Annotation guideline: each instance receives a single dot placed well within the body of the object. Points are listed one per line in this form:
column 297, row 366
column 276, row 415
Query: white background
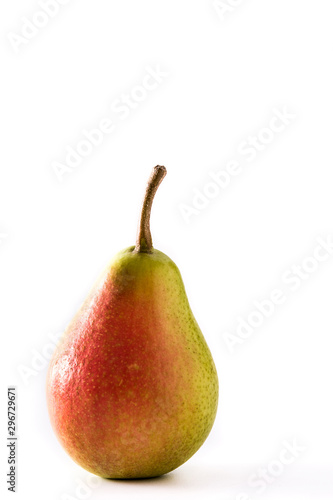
column 226, row 75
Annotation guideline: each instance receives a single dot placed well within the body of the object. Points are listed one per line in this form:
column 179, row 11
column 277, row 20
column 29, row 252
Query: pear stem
column 144, row 242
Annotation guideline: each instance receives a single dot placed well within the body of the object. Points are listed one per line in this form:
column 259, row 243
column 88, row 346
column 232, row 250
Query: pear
column 132, row 389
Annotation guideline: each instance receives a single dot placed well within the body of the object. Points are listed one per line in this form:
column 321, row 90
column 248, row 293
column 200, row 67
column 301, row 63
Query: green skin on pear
column 132, row 388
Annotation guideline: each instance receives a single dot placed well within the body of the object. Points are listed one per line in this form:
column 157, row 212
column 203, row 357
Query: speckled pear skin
column 132, row 388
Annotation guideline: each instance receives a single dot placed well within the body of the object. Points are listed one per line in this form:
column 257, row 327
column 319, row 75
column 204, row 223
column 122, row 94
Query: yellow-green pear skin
column 132, row 388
